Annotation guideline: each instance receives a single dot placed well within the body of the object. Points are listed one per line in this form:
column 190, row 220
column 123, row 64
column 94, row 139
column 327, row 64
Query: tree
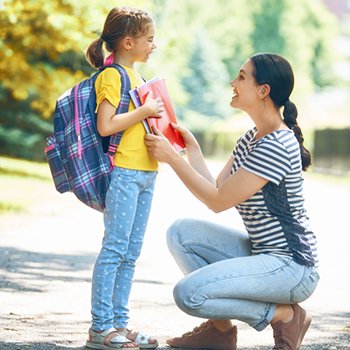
column 41, row 55
column 201, row 46
column 207, row 79
column 302, row 31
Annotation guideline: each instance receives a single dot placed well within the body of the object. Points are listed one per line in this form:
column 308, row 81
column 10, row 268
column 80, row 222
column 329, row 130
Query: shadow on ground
column 47, row 346
column 36, row 346
column 20, row 268
column 329, row 331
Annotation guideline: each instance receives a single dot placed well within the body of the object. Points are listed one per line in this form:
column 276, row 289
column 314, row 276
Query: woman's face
column 245, row 88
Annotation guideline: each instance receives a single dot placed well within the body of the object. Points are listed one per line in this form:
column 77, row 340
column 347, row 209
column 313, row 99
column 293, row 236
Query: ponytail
column 94, row 53
column 290, row 114
column 120, row 22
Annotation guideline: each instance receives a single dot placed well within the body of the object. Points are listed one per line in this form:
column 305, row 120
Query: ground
column 47, row 254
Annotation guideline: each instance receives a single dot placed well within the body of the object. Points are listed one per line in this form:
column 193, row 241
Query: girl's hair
column 120, row 22
column 276, row 71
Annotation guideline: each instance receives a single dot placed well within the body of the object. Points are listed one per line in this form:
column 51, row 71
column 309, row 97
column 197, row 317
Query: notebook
column 159, row 89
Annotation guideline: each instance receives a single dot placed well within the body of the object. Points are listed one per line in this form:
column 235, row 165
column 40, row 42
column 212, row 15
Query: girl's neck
column 124, row 61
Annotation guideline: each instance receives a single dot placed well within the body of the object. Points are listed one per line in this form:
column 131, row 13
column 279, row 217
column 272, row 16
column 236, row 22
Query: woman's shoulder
column 249, row 135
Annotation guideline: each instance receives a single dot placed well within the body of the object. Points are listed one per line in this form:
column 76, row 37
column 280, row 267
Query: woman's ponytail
column 94, row 53
column 290, row 114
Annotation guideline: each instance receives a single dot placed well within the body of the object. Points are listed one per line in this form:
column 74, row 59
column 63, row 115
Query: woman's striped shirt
column 275, row 217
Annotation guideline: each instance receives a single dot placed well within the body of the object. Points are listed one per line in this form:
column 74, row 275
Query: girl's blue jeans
column 128, row 204
column 224, row 281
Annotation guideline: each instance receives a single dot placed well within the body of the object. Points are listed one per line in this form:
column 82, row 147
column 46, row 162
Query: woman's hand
column 159, row 147
column 189, row 139
column 153, row 106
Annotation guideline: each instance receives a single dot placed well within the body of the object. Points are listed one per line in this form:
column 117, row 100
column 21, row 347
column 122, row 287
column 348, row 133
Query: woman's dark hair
column 120, row 22
column 276, row 71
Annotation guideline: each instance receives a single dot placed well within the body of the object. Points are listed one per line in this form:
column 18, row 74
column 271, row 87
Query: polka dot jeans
column 128, row 204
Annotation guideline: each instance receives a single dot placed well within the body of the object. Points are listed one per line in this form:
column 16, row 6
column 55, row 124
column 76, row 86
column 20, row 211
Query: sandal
column 109, row 339
column 143, row 340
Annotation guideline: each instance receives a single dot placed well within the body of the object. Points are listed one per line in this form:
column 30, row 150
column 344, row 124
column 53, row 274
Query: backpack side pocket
column 54, row 159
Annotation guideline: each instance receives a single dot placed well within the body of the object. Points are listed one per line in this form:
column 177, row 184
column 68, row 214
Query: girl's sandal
column 110, row 339
column 143, row 340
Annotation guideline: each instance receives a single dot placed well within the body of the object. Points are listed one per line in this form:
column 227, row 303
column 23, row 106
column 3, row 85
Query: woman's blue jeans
column 128, row 204
column 224, row 281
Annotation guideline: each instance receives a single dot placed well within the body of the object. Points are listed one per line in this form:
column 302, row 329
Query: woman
column 259, row 276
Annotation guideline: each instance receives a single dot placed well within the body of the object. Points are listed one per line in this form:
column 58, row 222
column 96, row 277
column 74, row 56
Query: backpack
column 80, row 159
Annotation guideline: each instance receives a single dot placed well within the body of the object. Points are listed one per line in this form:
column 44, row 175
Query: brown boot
column 206, row 336
column 288, row 336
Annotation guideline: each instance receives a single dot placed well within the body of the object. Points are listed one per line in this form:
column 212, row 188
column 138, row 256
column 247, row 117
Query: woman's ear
column 264, row 90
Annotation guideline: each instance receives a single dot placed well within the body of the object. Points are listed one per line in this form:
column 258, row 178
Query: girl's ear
column 128, row 43
column 264, row 90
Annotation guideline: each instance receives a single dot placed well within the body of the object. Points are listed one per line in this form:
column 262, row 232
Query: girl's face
column 144, row 45
column 245, row 88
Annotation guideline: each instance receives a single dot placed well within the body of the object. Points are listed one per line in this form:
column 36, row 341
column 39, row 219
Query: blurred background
column 200, row 49
column 48, row 241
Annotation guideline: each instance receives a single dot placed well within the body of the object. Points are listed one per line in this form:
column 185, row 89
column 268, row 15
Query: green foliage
column 206, row 78
column 331, row 150
column 267, row 36
column 200, row 48
column 21, row 184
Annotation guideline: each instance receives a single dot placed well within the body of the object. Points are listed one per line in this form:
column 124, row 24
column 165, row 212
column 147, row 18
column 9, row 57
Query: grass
column 25, row 183
column 22, row 184
column 341, row 180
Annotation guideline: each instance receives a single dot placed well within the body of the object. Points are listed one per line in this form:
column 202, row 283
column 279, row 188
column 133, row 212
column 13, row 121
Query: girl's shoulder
column 109, row 74
column 109, row 79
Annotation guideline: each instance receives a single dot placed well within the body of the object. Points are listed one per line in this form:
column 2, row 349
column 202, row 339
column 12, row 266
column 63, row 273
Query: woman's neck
column 267, row 121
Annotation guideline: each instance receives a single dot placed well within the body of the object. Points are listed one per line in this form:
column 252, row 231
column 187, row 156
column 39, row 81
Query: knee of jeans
column 172, row 235
column 175, row 231
column 183, row 296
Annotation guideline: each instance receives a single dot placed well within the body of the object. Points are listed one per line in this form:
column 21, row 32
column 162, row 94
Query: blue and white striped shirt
column 275, row 217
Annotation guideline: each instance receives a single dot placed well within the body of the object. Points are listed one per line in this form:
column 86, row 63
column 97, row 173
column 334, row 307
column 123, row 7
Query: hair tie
column 109, row 60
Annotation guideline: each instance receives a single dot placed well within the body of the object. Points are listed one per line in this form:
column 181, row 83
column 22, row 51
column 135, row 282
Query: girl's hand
column 153, row 106
column 159, row 147
column 190, row 140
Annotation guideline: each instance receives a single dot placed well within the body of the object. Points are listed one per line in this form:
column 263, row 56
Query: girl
column 129, row 35
column 261, row 276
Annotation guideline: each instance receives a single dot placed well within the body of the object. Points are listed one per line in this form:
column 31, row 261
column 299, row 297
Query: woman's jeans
column 128, row 204
column 224, row 281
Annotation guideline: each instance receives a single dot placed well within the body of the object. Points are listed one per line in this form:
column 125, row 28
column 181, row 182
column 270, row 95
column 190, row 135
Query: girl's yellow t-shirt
column 131, row 152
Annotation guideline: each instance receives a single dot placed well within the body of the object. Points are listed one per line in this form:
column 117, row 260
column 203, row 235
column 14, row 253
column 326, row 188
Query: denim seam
column 211, row 248
column 263, row 323
column 230, row 277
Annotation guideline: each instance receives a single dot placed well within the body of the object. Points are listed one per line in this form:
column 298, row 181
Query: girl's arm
column 234, row 190
column 109, row 123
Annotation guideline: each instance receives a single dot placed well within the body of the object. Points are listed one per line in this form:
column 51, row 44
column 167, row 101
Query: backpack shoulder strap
column 123, row 106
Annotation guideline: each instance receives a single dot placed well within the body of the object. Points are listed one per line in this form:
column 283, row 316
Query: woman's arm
column 109, row 123
column 225, row 172
column 234, row 190
column 194, row 153
column 196, row 158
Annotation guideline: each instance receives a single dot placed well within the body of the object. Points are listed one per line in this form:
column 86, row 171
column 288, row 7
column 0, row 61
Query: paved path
column 46, row 258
